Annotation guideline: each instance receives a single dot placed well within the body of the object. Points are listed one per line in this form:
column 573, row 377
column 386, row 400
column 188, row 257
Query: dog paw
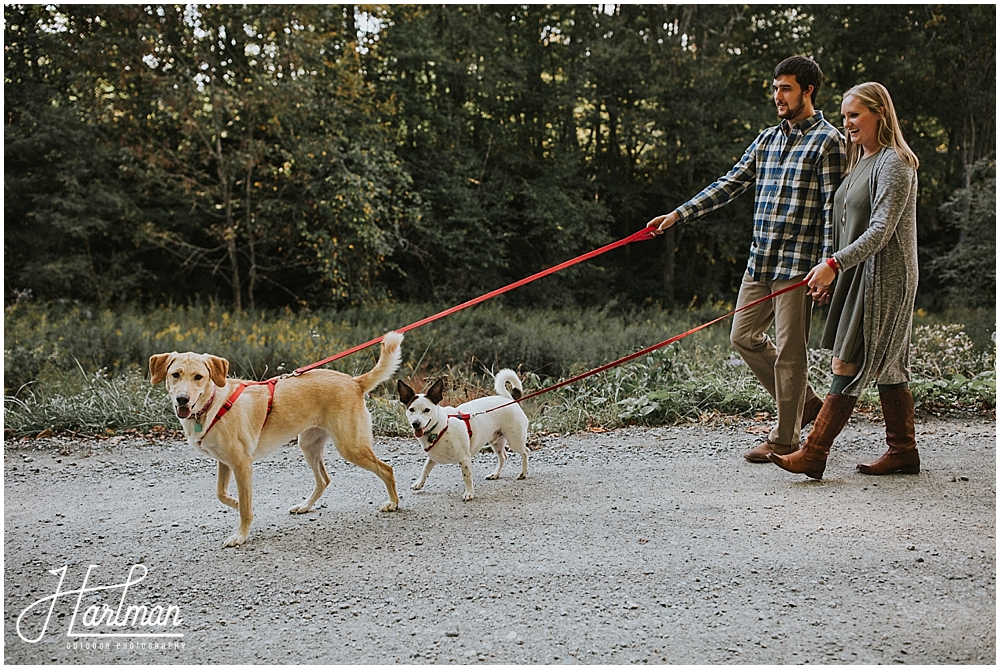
column 300, row 508
column 468, row 496
column 417, row 486
column 521, row 476
column 493, row 477
column 235, row 540
column 389, row 506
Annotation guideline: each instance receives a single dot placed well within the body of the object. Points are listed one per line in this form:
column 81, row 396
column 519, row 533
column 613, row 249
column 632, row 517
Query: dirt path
column 639, row 545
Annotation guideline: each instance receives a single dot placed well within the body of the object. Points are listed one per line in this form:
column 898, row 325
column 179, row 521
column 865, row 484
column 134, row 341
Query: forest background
column 362, row 163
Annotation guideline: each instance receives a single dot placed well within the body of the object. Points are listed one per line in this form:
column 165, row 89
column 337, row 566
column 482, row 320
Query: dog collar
column 197, row 418
column 433, row 439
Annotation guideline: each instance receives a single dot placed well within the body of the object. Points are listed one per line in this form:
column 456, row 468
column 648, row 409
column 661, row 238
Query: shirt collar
column 803, row 125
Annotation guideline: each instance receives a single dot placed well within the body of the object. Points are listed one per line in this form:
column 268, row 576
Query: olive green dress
column 844, row 332
column 886, row 259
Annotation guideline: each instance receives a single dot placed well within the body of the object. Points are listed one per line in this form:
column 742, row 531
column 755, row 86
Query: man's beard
column 793, row 112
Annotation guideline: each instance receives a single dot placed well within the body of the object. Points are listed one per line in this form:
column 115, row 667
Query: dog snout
column 182, row 400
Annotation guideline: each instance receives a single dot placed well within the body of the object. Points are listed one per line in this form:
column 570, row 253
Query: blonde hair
column 875, row 97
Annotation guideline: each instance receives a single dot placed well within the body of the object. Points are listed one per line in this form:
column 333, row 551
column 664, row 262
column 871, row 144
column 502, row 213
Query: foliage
column 66, row 213
column 242, row 136
column 75, row 369
column 325, row 155
column 944, row 351
column 46, row 342
column 90, row 404
column 968, row 271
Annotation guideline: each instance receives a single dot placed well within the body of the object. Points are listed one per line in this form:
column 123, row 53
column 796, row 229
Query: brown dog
column 316, row 406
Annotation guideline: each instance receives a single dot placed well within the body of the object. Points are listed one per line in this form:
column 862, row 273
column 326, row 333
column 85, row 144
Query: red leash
column 641, row 235
column 645, row 351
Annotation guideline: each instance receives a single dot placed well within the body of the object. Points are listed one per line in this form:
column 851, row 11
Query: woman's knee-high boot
column 902, row 456
column 811, row 458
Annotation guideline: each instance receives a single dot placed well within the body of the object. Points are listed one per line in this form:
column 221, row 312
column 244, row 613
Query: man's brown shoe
column 759, row 454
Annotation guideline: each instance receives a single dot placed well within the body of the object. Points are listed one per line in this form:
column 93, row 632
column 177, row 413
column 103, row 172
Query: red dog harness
column 468, row 426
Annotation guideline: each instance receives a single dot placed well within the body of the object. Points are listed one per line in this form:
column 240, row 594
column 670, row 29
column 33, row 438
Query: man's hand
column 820, row 279
column 661, row 223
column 821, row 296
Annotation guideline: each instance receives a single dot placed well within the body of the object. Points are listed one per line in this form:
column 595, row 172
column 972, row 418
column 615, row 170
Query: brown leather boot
column 902, row 456
column 811, row 459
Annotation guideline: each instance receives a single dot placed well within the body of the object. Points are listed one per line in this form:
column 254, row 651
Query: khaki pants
column 782, row 367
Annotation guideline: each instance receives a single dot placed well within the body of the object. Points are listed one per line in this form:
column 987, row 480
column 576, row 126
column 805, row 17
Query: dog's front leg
column 244, row 488
column 222, row 490
column 466, row 466
column 428, row 466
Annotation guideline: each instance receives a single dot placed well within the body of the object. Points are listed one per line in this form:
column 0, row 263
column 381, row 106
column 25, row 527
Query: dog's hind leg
column 358, row 451
column 313, row 442
column 519, row 444
column 428, row 466
column 499, row 444
column 222, row 487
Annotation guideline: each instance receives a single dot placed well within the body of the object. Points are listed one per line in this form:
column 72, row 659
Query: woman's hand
column 819, row 280
column 661, row 223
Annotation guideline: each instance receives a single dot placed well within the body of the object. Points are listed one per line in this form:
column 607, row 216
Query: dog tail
column 388, row 363
column 500, row 381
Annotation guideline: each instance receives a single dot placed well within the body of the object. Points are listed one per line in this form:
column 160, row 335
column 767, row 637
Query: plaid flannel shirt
column 795, row 171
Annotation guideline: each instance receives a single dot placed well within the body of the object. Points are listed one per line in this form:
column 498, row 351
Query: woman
column 871, row 309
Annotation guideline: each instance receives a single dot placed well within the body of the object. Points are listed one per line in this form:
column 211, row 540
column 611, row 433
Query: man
column 794, row 168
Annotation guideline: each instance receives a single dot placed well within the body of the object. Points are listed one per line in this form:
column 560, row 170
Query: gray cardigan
column 888, row 250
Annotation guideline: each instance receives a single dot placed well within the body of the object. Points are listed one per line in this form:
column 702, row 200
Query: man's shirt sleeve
column 830, row 172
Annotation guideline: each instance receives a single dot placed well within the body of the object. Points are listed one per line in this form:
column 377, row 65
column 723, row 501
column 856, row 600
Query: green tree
column 968, row 271
column 486, row 128
column 316, row 155
column 248, row 140
column 67, row 211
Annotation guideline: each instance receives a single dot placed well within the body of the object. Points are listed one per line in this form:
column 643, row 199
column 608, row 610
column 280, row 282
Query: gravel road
column 637, row 545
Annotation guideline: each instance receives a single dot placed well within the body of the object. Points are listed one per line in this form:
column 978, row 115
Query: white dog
column 449, row 435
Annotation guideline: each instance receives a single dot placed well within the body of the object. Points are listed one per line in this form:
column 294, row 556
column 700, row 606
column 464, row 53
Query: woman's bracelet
column 832, row 262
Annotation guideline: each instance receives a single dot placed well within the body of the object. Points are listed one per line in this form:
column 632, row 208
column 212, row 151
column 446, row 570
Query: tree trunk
column 669, row 265
column 234, row 263
column 231, row 232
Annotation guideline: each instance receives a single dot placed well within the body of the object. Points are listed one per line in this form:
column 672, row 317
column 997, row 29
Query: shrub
column 946, row 351
column 70, row 369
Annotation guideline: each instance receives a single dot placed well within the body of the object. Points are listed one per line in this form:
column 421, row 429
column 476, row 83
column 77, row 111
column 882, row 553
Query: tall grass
column 67, row 368
column 47, row 343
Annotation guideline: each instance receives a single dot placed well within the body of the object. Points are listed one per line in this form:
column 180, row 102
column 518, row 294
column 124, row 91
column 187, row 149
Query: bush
column 45, row 342
column 71, row 369
column 945, row 351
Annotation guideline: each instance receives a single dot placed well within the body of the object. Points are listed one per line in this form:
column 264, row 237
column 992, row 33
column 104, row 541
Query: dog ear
column 436, row 392
column 406, row 393
column 218, row 368
column 158, row 366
